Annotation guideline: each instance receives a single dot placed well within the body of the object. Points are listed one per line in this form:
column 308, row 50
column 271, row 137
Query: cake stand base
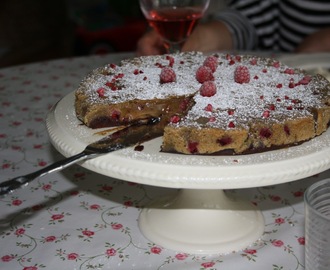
column 201, row 222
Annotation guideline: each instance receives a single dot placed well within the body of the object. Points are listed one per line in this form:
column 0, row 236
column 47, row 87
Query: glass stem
column 173, row 47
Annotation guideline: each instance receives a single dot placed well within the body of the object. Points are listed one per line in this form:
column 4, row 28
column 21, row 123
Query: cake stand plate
column 201, row 218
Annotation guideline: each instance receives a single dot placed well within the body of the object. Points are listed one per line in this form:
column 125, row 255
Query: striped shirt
column 274, row 24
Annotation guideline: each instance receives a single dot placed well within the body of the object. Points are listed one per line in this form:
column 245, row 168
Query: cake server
column 138, row 132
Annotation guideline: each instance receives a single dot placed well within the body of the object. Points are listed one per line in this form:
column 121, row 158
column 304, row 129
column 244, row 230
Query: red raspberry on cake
column 204, row 74
column 171, row 60
column 175, row 119
column 209, row 108
column 167, row 75
column 242, row 74
column 101, row 92
column 208, row 89
column 211, row 62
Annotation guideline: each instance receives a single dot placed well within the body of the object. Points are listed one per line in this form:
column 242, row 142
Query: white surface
column 152, row 167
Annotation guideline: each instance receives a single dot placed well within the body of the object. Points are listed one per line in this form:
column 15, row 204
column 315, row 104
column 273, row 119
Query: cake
column 209, row 104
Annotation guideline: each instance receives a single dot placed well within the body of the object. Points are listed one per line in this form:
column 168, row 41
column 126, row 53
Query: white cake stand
column 201, row 218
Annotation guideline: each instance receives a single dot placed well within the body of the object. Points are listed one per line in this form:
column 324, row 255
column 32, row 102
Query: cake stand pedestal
column 201, row 218
column 201, row 222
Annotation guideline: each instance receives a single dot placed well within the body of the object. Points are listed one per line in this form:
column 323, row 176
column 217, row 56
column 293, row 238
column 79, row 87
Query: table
column 78, row 219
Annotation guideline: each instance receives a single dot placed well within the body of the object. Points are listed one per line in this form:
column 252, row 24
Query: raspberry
column 266, row 114
column 137, row 71
column 238, row 58
column 115, row 115
column 208, row 89
column 272, row 107
column 101, row 92
column 211, row 62
column 204, row 74
column 292, row 85
column 112, row 85
column 289, row 71
column 265, row 133
column 212, row 119
column 231, row 62
column 167, row 75
column 175, row 119
column 276, row 64
column 209, row 108
column 287, row 130
column 193, row 147
column 224, row 141
column 253, row 62
column 305, row 80
column 231, row 112
column 242, row 74
column 171, row 60
column 231, row 124
column 184, row 104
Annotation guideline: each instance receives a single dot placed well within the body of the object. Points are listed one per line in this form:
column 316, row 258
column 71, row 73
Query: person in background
column 274, row 25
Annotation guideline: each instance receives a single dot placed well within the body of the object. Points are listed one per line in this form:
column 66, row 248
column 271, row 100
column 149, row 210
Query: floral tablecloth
column 78, row 219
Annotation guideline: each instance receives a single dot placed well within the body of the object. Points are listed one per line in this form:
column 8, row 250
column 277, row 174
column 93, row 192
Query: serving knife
column 138, row 132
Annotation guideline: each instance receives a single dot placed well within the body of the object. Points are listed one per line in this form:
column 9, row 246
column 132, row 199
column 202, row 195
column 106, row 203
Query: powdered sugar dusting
column 141, row 79
column 274, row 91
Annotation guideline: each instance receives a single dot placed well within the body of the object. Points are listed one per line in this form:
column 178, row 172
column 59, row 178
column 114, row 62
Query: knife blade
column 138, row 132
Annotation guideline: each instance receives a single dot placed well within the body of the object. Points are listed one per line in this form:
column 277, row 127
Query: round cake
column 209, row 104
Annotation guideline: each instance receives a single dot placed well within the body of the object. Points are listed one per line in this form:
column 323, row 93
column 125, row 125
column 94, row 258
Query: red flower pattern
column 275, row 198
column 117, row 226
column 7, row 258
column 20, row 231
column 16, row 202
column 111, row 252
column 208, row 264
column 156, row 250
column 301, row 241
column 95, row 207
column 298, row 193
column 50, row 238
column 181, row 256
column 250, row 251
column 47, row 187
column 88, row 233
column 277, row 243
column 128, row 203
column 57, row 216
column 30, row 268
column 73, row 256
column 279, row 220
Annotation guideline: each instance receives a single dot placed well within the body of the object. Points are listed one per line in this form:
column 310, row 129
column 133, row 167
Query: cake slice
column 121, row 94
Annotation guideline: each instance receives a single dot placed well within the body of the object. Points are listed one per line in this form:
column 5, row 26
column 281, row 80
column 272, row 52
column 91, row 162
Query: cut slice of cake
column 121, row 94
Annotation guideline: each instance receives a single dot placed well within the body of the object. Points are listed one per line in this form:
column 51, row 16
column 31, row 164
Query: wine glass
column 173, row 20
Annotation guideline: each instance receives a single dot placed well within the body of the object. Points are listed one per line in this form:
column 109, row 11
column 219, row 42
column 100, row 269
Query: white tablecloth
column 78, row 219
